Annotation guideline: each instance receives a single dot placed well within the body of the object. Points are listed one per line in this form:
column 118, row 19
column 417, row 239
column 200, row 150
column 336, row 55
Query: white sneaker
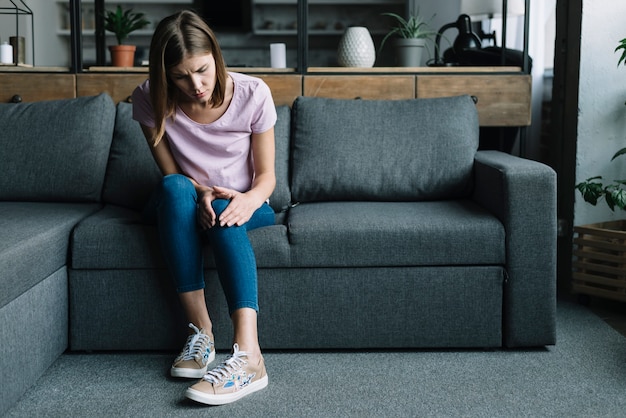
column 194, row 359
column 230, row 381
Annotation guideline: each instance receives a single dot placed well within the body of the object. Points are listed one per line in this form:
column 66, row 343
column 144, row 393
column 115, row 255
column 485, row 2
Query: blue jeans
column 173, row 208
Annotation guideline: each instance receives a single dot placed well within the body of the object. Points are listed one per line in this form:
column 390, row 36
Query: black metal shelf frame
column 21, row 9
column 303, row 36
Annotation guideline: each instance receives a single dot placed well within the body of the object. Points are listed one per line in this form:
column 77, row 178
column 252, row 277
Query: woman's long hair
column 176, row 37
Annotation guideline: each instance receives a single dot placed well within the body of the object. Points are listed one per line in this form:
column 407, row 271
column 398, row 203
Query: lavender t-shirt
column 217, row 153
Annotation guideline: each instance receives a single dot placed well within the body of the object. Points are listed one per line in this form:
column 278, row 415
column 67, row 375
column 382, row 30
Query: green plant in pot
column 411, row 35
column 594, row 189
column 122, row 23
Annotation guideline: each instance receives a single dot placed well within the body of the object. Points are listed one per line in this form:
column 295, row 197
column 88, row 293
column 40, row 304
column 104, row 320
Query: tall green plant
column 122, row 23
column 593, row 189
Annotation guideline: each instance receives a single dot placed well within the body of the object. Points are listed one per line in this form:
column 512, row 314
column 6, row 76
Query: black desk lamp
column 465, row 40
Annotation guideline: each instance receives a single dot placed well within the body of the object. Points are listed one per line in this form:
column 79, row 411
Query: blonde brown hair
column 177, row 36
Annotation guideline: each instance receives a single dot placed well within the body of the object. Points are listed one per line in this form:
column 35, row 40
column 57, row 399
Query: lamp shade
column 492, row 7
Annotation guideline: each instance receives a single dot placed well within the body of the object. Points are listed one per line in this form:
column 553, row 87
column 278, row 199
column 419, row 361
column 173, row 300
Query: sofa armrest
column 522, row 194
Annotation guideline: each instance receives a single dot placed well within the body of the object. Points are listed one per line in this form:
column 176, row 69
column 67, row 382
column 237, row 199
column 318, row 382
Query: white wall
column 602, row 113
column 50, row 50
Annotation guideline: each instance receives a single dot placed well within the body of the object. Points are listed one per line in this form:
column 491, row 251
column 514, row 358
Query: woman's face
column 195, row 77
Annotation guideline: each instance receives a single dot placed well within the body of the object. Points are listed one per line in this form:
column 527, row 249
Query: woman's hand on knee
column 239, row 210
column 205, row 213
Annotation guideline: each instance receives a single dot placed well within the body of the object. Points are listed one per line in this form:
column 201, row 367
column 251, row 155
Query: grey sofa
column 392, row 231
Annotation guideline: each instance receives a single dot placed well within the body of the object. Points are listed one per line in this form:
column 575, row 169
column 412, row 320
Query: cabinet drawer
column 36, row 87
column 364, row 87
column 118, row 86
column 503, row 100
column 285, row 88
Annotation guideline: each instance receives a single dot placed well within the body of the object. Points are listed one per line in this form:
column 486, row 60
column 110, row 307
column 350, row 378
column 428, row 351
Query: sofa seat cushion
column 35, row 240
column 117, row 238
column 383, row 150
column 368, row 234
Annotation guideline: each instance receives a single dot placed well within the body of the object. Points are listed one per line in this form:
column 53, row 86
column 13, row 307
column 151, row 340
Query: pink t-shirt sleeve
column 142, row 108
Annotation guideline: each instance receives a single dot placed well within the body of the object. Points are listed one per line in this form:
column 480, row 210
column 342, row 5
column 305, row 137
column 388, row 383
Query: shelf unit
column 154, row 10
column 280, row 17
column 303, row 10
column 18, row 9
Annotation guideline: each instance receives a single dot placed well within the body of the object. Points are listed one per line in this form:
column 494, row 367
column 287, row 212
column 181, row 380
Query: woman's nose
column 196, row 83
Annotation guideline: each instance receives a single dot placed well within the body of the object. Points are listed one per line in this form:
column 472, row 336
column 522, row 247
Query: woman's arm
column 161, row 153
column 243, row 205
column 164, row 159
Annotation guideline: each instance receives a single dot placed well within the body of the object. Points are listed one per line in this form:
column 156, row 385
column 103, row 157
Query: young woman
column 211, row 133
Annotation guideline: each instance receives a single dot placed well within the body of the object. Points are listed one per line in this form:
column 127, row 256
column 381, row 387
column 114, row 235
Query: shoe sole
column 192, row 373
column 209, row 399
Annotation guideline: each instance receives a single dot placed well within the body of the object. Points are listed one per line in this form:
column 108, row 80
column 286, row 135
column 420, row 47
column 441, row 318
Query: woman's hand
column 205, row 213
column 239, row 210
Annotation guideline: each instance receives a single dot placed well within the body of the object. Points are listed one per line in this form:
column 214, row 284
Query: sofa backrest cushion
column 383, row 150
column 281, row 198
column 131, row 173
column 55, row 150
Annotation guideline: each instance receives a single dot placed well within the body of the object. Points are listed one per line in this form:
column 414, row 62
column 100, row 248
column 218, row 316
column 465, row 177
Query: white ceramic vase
column 356, row 48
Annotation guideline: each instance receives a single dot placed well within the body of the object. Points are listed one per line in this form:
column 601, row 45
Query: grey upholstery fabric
column 281, row 197
column 522, row 194
column 117, row 238
column 131, row 173
column 371, row 234
column 35, row 242
column 34, row 329
column 57, row 149
column 375, row 150
column 325, row 308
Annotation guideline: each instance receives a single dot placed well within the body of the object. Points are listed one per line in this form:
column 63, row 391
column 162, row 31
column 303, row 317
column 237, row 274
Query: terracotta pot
column 122, row 55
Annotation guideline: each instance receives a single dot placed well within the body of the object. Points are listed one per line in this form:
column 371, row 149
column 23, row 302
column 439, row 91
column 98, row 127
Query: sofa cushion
column 383, row 150
column 131, row 173
column 35, row 241
column 117, row 238
column 55, row 150
column 381, row 234
column 281, row 197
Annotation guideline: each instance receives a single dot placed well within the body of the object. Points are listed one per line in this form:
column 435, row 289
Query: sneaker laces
column 230, row 366
column 195, row 345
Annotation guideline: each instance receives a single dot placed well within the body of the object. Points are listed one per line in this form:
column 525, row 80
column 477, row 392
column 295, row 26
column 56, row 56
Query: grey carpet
column 584, row 375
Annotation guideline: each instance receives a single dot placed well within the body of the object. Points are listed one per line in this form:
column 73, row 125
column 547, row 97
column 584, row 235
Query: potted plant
column 600, row 249
column 593, row 189
column 412, row 34
column 122, row 23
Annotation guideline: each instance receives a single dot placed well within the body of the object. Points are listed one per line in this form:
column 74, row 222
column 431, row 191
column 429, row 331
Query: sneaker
column 198, row 353
column 230, row 381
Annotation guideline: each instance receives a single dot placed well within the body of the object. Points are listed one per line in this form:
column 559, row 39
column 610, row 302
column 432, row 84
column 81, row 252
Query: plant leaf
column 618, row 153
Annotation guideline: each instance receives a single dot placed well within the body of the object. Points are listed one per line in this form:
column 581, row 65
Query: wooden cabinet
column 285, row 88
column 36, row 87
column 118, row 86
column 503, row 100
column 360, row 86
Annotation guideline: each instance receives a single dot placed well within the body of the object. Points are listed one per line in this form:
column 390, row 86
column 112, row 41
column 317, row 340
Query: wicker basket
column 599, row 267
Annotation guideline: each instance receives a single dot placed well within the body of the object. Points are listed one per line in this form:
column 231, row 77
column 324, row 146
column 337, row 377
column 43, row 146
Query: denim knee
column 176, row 185
column 219, row 205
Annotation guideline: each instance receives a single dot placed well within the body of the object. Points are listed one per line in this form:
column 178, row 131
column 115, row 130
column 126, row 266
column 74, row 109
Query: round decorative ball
column 356, row 48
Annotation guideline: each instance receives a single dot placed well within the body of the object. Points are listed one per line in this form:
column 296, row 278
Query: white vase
column 356, row 48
